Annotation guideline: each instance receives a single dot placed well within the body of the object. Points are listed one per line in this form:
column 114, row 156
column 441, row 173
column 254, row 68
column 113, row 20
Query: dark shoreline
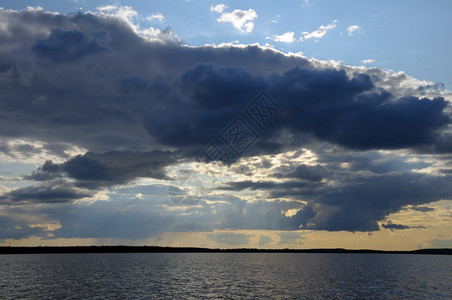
column 157, row 249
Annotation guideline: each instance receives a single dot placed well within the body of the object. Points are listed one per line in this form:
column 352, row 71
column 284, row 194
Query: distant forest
column 157, row 249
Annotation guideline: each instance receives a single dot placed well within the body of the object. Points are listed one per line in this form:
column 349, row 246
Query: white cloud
column 107, row 8
column 287, row 37
column 157, row 16
column 126, row 13
column 320, row 32
column 218, row 8
column 352, row 28
column 131, row 17
column 151, row 32
column 37, row 8
column 240, row 19
column 368, row 61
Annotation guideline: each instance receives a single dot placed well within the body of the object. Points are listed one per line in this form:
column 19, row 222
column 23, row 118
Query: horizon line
column 172, row 249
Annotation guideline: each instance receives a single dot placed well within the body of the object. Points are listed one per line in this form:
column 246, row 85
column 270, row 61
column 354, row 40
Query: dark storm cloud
column 10, row 230
column 391, row 226
column 325, row 103
column 361, row 203
column 280, row 189
column 352, row 113
column 185, row 96
column 304, row 172
column 208, row 86
column 214, row 96
column 93, row 170
column 446, row 171
column 137, row 106
column 70, row 46
column 49, row 192
column 18, row 150
column 353, row 201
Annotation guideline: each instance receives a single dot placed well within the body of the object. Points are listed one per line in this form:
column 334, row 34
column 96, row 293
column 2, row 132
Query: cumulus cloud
column 130, row 17
column 368, row 61
column 287, row 37
column 124, row 12
column 320, row 32
column 240, row 19
column 103, row 107
column 157, row 16
column 219, row 8
column 352, row 28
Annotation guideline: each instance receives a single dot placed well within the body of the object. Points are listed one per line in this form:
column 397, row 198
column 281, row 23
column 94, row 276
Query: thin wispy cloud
column 320, row 32
column 368, row 61
column 353, row 28
column 307, row 3
column 124, row 12
column 156, row 17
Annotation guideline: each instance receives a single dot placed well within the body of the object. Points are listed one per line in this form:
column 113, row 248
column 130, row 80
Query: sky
column 223, row 124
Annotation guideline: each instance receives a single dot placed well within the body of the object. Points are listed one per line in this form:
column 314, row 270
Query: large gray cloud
column 57, row 191
column 139, row 106
column 116, row 167
column 127, row 81
column 69, row 45
column 355, row 198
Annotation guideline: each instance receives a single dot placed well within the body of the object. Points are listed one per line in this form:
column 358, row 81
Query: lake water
column 225, row 275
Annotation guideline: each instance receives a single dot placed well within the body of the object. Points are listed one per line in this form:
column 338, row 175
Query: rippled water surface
column 225, row 275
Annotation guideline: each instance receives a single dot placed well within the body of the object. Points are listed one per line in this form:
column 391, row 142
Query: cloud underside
column 139, row 106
